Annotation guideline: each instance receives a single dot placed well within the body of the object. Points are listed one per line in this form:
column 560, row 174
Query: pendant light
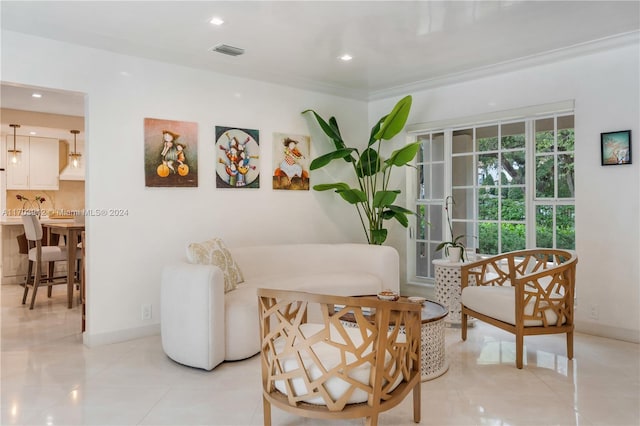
column 74, row 156
column 14, row 154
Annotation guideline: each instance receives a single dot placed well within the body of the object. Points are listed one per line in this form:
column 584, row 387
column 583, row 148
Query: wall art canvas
column 237, row 158
column 291, row 161
column 616, row 147
column 170, row 153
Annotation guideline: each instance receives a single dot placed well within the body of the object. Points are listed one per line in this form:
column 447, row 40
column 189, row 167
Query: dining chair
column 37, row 254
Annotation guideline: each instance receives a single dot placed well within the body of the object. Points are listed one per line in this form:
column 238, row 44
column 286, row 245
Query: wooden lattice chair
column 526, row 292
column 338, row 369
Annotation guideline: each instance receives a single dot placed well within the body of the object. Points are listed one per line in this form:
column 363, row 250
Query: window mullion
column 529, row 179
column 448, row 168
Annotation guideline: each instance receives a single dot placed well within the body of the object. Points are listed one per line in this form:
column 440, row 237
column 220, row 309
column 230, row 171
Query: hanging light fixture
column 74, row 156
column 14, row 154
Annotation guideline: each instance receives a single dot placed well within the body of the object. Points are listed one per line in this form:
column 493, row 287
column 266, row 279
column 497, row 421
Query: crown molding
column 577, row 50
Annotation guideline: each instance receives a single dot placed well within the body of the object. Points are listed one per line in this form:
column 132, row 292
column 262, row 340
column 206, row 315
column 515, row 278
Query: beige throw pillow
column 214, row 252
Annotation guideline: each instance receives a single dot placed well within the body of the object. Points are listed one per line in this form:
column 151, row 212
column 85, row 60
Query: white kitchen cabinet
column 39, row 165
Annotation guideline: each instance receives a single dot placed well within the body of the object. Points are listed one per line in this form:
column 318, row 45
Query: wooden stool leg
column 50, row 275
column 36, row 283
column 27, row 282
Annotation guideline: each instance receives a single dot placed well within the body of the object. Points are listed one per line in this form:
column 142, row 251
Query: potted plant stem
column 454, row 249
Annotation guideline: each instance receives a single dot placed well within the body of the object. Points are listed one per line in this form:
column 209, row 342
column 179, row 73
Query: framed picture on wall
column 291, row 161
column 616, row 148
column 238, row 157
column 170, row 153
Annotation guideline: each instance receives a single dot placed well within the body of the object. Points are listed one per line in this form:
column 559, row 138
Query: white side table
column 432, row 344
column 448, row 289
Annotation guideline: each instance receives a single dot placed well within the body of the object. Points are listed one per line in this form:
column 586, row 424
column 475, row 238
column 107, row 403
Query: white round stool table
column 432, row 351
column 447, row 289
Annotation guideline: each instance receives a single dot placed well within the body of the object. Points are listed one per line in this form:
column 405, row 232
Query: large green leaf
column 398, row 213
column 404, row 155
column 328, row 186
column 334, row 125
column 374, row 130
column 352, row 196
column 396, row 119
column 332, row 133
column 378, row 236
column 384, row 198
column 325, row 159
column 399, row 209
column 368, row 164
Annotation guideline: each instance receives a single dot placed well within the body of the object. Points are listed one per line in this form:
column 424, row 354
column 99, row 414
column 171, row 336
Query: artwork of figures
column 170, row 153
column 238, row 158
column 291, row 161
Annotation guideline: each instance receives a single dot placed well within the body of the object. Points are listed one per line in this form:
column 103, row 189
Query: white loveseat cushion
column 499, row 302
column 330, row 357
column 336, row 283
column 241, row 305
column 242, row 325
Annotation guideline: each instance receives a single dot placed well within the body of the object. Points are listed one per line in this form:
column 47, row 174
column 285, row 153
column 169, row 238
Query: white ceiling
column 394, row 44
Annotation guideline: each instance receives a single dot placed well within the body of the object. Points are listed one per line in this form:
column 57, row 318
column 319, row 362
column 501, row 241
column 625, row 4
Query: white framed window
column 512, row 182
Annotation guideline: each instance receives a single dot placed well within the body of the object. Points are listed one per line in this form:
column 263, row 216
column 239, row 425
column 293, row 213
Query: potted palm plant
column 372, row 197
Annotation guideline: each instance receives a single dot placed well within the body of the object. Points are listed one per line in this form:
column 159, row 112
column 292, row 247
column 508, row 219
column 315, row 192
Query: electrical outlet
column 146, row 312
column 593, row 312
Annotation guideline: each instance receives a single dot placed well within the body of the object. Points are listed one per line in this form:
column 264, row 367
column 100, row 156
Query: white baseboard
column 118, row 336
column 618, row 333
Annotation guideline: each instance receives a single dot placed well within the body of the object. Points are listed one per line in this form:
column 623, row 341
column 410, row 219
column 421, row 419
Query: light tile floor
column 49, row 378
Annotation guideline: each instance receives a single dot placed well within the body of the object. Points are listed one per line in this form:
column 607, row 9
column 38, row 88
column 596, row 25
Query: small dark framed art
column 615, row 148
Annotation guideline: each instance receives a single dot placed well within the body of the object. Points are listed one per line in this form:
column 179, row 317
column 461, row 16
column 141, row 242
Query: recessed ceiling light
column 36, row 95
column 216, row 21
column 346, row 57
column 32, row 133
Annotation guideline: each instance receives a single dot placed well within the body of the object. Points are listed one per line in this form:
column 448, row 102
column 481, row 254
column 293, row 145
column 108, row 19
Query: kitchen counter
column 17, row 220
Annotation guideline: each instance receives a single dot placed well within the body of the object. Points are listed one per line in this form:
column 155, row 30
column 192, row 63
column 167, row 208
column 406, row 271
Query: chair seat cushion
column 49, row 254
column 330, row 357
column 500, row 303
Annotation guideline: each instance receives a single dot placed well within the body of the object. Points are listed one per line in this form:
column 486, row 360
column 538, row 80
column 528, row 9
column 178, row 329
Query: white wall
column 606, row 90
column 126, row 254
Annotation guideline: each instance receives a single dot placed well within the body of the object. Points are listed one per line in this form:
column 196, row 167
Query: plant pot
column 454, row 254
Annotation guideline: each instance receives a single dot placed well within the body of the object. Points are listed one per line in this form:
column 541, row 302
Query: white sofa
column 201, row 326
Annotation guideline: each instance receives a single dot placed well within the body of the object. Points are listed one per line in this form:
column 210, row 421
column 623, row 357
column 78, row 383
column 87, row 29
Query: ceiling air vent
column 227, row 50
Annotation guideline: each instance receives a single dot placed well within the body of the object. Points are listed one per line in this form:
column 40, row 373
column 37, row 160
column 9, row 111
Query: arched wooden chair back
column 340, row 368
